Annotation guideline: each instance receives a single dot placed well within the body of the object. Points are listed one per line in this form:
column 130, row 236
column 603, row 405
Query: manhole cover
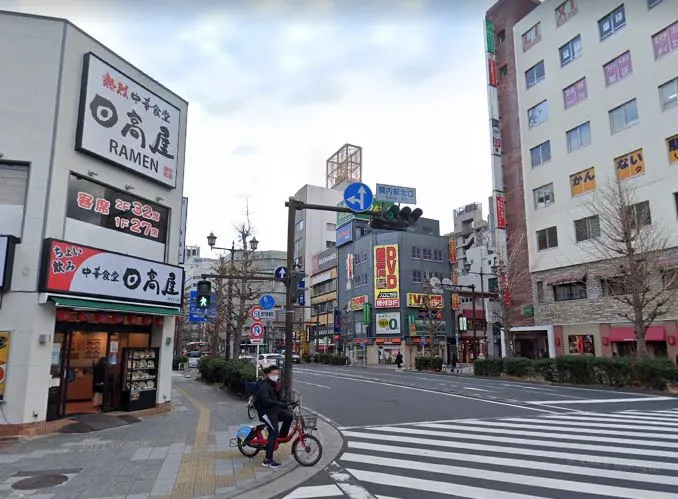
column 39, row 482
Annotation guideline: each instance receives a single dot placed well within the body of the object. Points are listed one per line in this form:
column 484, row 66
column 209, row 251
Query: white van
column 269, row 359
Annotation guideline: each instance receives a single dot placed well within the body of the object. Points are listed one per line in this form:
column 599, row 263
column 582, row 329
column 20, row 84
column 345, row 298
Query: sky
column 275, row 87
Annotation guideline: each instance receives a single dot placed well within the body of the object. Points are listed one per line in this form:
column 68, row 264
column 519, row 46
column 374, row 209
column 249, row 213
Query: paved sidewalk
column 178, row 455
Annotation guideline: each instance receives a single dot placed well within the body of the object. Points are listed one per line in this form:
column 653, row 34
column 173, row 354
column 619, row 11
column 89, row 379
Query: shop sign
column 456, row 301
column 388, row 323
column 358, row 302
column 629, row 165
column 349, row 267
column 672, row 145
column 582, row 182
column 500, row 211
column 182, row 230
column 386, row 276
column 336, row 319
column 452, row 250
column 110, row 208
column 344, row 234
column 367, row 314
column 4, row 360
column 325, row 260
column 73, row 269
column 489, row 36
column 418, row 300
column 492, row 68
column 496, row 137
column 581, row 344
column 126, row 124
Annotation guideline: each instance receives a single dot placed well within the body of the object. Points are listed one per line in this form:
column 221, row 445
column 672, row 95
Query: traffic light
column 297, row 282
column 396, row 218
column 204, row 291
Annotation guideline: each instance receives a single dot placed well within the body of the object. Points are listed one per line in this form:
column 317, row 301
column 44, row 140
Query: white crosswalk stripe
column 629, row 454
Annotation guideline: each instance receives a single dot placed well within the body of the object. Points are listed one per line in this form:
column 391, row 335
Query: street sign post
column 267, row 302
column 256, row 331
column 254, row 313
column 267, row 315
column 280, row 273
column 358, row 197
column 396, row 194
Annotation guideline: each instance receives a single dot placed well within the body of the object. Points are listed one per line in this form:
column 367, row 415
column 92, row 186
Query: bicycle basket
column 251, row 387
column 244, row 433
column 309, row 422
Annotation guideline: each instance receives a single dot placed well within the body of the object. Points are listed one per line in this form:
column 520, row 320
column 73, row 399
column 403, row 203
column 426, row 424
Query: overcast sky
column 275, row 87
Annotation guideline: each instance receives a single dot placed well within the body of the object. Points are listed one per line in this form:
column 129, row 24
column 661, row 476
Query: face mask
column 274, row 378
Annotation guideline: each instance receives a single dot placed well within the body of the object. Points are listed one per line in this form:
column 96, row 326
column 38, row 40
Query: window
column 672, row 146
column 640, row 213
column 360, row 257
column 583, row 181
column 670, row 278
column 543, row 196
column 438, row 255
column 331, row 226
column 565, row 11
column 416, row 276
column 531, row 37
column 575, row 93
column 653, row 3
column 587, row 228
column 13, row 189
column 629, row 165
column 541, row 154
column 668, row 94
column 612, row 22
column 665, row 41
column 613, row 286
column 624, row 116
column 570, row 51
column 503, row 71
column 297, row 245
column 618, row 68
column 416, row 252
column 570, row 291
column 537, row 114
column 330, row 244
column 300, row 225
column 535, row 74
column 579, row 137
column 547, row 238
column 540, row 291
column 493, row 285
column 501, row 36
column 360, row 280
column 428, row 254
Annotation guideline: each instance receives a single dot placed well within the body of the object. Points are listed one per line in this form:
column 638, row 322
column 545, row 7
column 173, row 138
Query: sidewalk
column 178, row 455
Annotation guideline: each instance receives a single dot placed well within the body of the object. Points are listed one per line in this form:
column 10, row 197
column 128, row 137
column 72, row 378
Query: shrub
column 422, row 363
column 306, row 358
column 517, row 366
column 233, row 374
column 178, row 359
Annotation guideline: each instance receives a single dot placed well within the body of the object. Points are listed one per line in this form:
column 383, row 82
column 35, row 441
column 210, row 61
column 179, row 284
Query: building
column 383, row 283
column 92, row 160
column 597, row 89
column 323, row 283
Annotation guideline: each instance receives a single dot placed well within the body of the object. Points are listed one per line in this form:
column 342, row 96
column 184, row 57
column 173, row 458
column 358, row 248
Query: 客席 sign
column 124, row 123
column 73, row 269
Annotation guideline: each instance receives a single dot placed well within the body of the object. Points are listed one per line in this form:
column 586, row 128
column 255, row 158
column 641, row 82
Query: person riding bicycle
column 272, row 409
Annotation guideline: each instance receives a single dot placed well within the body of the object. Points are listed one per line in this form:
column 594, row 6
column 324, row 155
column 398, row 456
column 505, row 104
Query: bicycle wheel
column 247, row 450
column 310, row 455
column 251, row 411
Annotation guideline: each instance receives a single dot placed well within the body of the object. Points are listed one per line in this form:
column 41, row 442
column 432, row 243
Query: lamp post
column 212, row 241
column 482, row 274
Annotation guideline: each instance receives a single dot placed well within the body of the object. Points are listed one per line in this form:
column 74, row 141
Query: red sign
column 665, row 41
column 256, row 331
column 452, row 249
column 618, row 69
column 358, row 302
column 254, row 313
column 492, row 64
column 507, row 292
column 575, row 93
column 500, row 211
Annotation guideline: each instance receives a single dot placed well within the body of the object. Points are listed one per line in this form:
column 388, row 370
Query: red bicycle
column 306, row 448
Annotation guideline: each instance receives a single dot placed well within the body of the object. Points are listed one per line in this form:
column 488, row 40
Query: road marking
column 586, row 424
column 600, row 401
column 476, row 389
column 347, row 483
column 616, row 417
column 313, row 384
column 312, row 492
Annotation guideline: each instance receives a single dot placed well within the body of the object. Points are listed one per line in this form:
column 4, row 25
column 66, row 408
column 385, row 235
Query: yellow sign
column 418, row 300
column 631, row 164
column 386, row 276
column 358, row 303
column 672, row 143
column 4, row 358
column 456, row 301
column 582, row 182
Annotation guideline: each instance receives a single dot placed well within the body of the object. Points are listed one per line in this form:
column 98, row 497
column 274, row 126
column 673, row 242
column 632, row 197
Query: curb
column 332, row 443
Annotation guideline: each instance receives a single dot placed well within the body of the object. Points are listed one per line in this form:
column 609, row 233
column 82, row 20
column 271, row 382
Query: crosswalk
column 630, row 454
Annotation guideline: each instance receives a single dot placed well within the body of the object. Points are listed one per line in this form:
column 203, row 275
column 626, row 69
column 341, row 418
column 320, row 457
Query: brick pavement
column 183, row 454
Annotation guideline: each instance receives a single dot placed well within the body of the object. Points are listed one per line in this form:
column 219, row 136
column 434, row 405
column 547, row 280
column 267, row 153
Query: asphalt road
column 413, row 436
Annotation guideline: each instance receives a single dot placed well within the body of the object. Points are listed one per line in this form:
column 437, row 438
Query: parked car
column 269, row 359
column 193, row 358
column 296, row 359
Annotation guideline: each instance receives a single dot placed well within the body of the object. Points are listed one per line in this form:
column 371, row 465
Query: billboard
column 388, row 323
column 358, row 302
column 418, row 300
column 345, row 234
column 386, row 276
column 324, row 260
column 500, row 211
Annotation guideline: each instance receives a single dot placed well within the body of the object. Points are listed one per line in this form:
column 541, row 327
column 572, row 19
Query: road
column 413, row 436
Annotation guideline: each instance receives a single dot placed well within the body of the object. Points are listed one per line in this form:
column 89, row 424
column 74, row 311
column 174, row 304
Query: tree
column 222, row 319
column 631, row 249
column 246, row 292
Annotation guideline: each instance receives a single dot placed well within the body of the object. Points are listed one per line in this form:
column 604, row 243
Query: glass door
column 56, row 398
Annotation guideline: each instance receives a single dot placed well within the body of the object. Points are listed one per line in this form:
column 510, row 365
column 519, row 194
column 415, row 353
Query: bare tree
column 631, row 251
column 221, row 320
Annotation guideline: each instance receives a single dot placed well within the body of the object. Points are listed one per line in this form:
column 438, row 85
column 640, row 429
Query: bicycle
column 251, row 389
column 303, row 445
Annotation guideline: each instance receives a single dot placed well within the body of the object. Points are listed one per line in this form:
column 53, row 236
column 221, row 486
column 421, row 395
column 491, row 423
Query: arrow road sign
column 267, row 302
column 358, row 197
column 280, row 273
column 256, row 331
column 254, row 313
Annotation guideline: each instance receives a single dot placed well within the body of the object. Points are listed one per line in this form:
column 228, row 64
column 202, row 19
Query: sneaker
column 273, row 464
column 266, row 463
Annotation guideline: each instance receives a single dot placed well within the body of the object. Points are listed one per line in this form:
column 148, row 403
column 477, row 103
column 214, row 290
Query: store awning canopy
column 568, row 279
column 76, row 303
column 653, row 333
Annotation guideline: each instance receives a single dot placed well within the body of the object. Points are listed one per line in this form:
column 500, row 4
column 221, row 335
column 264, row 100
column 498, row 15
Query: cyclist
column 272, row 409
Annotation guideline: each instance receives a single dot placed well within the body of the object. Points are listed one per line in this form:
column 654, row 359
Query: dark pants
column 271, row 420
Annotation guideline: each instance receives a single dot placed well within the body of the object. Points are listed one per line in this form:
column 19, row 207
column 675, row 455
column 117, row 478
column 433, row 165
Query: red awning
column 653, row 333
column 669, row 264
column 567, row 279
column 480, row 314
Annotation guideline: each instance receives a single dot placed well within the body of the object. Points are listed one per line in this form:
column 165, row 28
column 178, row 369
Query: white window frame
column 672, row 103
column 622, row 107
column 578, row 130
column 573, row 53
column 534, row 108
column 544, row 196
column 590, row 225
column 610, row 18
column 533, row 70
column 540, row 148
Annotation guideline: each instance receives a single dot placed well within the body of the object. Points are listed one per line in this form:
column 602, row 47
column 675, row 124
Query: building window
column 668, row 92
column 531, row 37
column 360, row 280
column 575, row 93
column 624, row 116
column 612, row 22
column 427, row 254
column 547, row 238
column 300, row 225
column 570, row 51
column 416, row 253
column 565, row 11
column 570, row 291
column 629, row 165
column 541, row 154
column 587, row 228
column 540, row 291
column 672, row 146
column 503, row 72
column 640, row 214
column 493, row 285
column 360, row 257
column 438, row 255
column 583, row 181
column 330, row 226
column 543, row 196
column 653, row 3
column 535, row 74
column 665, row 41
column 416, row 276
column 579, row 137
column 297, row 245
column 501, row 36
column 613, row 286
column 618, row 68
column 537, row 114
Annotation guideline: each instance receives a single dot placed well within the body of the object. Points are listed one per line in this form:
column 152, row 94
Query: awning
column 669, row 264
column 113, row 306
column 480, row 314
column 653, row 333
column 568, row 279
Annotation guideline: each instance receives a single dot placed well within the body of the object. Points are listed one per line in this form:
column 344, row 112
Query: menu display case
column 140, row 378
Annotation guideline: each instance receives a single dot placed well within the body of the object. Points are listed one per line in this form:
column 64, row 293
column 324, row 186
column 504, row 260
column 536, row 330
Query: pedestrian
column 399, row 360
column 272, row 409
column 454, row 362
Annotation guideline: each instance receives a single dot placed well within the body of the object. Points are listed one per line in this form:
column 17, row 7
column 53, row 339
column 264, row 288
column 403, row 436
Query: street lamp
column 467, row 270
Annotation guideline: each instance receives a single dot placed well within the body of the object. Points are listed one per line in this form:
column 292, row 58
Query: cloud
column 245, row 150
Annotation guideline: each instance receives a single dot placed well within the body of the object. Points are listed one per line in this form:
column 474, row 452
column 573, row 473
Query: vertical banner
column 452, row 250
column 456, row 301
column 496, row 137
column 4, row 359
column 337, row 321
column 489, row 37
column 367, row 314
column 492, row 70
column 386, row 276
column 500, row 211
column 182, row 230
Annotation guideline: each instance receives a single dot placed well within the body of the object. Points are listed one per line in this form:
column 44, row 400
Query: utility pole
column 229, row 306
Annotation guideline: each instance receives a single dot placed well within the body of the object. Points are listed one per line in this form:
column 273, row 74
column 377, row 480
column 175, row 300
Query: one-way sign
column 280, row 273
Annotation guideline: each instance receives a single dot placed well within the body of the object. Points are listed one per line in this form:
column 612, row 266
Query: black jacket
column 268, row 401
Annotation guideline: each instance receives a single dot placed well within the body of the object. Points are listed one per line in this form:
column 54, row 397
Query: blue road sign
column 301, row 300
column 267, row 302
column 358, row 197
column 200, row 315
column 280, row 273
column 422, row 342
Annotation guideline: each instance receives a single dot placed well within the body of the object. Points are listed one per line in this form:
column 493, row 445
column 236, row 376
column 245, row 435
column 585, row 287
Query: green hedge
column 428, row 363
column 578, row 370
column 231, row 373
column 328, row 358
column 178, row 359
